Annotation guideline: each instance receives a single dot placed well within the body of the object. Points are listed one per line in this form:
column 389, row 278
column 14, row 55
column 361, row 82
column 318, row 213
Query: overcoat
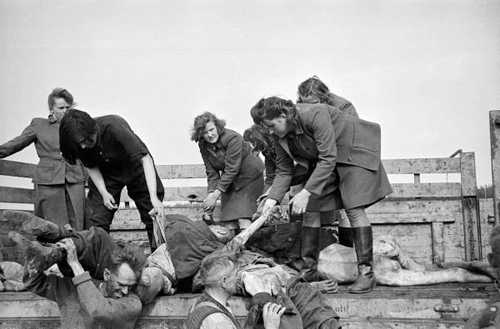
column 59, row 186
column 232, row 168
column 341, row 153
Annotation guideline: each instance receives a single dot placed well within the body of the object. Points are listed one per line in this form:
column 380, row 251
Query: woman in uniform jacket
column 234, row 173
column 59, row 186
column 342, row 154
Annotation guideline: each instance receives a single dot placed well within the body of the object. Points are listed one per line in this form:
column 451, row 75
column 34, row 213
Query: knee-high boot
column 363, row 242
column 345, row 236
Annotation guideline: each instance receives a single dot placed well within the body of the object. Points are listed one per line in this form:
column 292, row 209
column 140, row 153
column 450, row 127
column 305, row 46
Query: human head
column 60, row 100
column 77, row 133
column 494, row 256
column 313, row 90
column 258, row 137
column 124, row 269
column 219, row 271
column 277, row 115
column 207, row 127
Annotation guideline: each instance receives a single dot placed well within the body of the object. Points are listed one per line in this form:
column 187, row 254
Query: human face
column 119, row 283
column 277, row 126
column 88, row 142
column 210, row 133
column 59, row 108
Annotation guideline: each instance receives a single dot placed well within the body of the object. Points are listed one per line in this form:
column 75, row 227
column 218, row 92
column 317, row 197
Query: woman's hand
column 271, row 314
column 211, row 200
column 268, row 206
column 108, row 200
column 158, row 208
column 299, row 202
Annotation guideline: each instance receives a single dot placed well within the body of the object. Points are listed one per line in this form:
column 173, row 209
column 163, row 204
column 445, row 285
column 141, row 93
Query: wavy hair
column 60, row 93
column 75, row 126
column 201, row 121
column 314, row 86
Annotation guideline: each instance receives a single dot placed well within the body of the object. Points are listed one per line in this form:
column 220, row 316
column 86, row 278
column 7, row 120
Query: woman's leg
column 363, row 243
column 345, row 232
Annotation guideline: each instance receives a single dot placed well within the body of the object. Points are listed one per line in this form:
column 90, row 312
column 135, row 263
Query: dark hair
column 257, row 111
column 201, row 121
column 274, row 106
column 125, row 252
column 75, row 125
column 60, row 93
column 314, row 86
column 257, row 136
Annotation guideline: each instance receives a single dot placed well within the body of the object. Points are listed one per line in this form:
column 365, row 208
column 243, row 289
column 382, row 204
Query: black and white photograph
column 267, row 164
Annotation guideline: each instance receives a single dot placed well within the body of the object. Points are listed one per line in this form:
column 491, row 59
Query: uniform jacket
column 323, row 136
column 342, row 104
column 229, row 163
column 52, row 169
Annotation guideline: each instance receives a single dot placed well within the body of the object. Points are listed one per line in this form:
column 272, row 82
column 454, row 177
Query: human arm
column 232, row 161
column 150, row 174
column 28, row 136
column 90, row 297
column 271, row 314
column 96, row 176
column 213, row 178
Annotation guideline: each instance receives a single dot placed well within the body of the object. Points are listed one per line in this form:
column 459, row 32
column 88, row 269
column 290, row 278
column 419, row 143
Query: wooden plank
column 16, row 195
column 429, row 190
column 422, row 166
column 181, row 171
column 495, row 160
column 438, row 256
column 468, row 174
column 17, row 169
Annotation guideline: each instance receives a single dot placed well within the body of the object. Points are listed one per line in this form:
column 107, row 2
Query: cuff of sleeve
column 315, row 190
column 220, row 188
column 79, row 279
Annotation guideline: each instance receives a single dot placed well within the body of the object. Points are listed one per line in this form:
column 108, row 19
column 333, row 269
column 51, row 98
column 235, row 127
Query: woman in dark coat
column 59, row 186
column 234, row 173
column 342, row 154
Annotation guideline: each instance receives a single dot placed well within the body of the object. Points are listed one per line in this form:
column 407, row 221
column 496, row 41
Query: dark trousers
column 98, row 215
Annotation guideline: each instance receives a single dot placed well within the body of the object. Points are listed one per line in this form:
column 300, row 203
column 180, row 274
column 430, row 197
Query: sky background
column 428, row 71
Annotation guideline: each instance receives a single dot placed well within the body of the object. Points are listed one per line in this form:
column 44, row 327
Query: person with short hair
column 234, row 174
column 342, row 156
column 218, row 274
column 115, row 157
column 101, row 298
column 59, row 186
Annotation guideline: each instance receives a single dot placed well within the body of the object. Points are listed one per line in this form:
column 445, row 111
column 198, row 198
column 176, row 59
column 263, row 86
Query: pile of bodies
column 317, row 151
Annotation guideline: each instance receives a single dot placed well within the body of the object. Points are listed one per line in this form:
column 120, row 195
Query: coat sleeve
column 270, row 164
column 27, row 137
column 100, row 308
column 213, row 176
column 284, row 173
column 324, row 136
column 132, row 144
column 232, row 162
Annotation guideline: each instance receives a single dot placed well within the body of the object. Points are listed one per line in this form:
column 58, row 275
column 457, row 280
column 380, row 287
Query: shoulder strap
column 196, row 317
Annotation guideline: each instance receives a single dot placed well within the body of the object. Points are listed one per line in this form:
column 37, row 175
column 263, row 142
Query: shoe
column 37, row 257
column 363, row 242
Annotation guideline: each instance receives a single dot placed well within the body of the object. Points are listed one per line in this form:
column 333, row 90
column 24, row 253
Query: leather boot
column 363, row 242
column 345, row 236
column 310, row 245
column 37, row 257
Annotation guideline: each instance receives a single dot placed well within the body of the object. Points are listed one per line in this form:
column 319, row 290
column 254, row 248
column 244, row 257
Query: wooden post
column 495, row 160
column 437, row 229
column 470, row 207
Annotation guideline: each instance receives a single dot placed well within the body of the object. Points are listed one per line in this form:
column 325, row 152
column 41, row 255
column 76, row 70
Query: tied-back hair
column 125, row 252
column 60, row 93
column 314, row 86
column 201, row 121
column 260, row 140
column 75, row 126
column 216, row 266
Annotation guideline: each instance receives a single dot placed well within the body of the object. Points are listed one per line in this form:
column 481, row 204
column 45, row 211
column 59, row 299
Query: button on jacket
column 52, row 169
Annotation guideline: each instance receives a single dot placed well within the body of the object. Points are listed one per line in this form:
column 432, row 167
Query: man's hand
column 108, row 200
column 158, row 208
column 271, row 314
column 71, row 255
column 299, row 202
column 211, row 200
